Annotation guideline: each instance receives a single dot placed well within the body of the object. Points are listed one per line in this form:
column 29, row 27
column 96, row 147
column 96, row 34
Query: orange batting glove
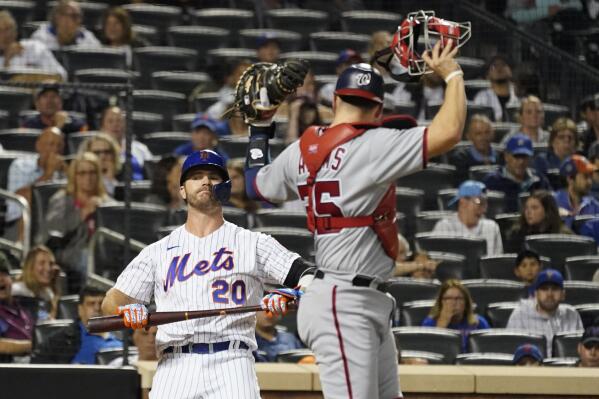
column 275, row 302
column 135, row 315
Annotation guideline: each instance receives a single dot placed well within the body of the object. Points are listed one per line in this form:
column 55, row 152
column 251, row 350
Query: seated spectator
column 226, row 94
column 70, row 218
column 563, row 142
column 165, row 186
column 205, row 132
column 516, row 177
column 144, row 340
column 272, row 340
column 118, row 33
column 268, row 48
column 480, row 132
column 588, row 348
column 90, row 305
column 527, row 268
column 546, row 314
column 575, row 200
column 108, row 152
column 48, row 104
column 470, row 219
column 379, row 40
column 539, row 216
column 25, row 172
column 531, row 117
column 16, row 325
column 430, row 91
column 303, row 110
column 501, row 94
column 453, row 309
column 420, row 266
column 40, row 280
column 591, row 134
column 345, row 58
column 65, row 28
column 239, row 198
column 113, row 124
column 528, row 355
column 25, row 53
column 586, row 113
column 528, row 12
column 594, row 159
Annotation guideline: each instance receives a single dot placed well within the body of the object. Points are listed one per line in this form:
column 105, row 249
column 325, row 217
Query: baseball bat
column 113, row 323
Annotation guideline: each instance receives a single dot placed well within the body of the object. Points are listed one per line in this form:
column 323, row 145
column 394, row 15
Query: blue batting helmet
column 210, row 159
column 361, row 80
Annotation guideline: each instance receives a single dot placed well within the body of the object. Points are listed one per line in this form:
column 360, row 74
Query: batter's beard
column 202, row 205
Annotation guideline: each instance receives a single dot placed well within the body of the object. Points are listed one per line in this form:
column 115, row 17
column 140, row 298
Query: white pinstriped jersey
column 224, row 269
column 351, row 182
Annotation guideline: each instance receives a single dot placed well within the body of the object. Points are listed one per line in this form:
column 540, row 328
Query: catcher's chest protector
column 316, row 144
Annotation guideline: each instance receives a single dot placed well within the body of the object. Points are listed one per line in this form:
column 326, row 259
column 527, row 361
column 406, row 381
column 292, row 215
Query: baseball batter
column 208, row 263
column 346, row 173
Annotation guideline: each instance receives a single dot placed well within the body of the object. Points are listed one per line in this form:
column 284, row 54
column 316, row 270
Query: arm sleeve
column 273, row 259
column 498, row 244
column 276, row 182
column 442, row 227
column 395, row 153
column 49, row 62
column 137, row 280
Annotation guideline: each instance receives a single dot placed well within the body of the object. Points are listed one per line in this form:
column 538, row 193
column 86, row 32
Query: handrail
column 113, row 235
column 26, row 212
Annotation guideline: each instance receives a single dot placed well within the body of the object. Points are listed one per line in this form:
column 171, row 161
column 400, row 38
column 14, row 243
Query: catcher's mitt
column 264, row 86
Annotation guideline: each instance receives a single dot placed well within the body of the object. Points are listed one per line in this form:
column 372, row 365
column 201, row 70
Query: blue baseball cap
column 549, row 276
column 576, row 164
column 527, row 350
column 265, row 38
column 203, row 120
column 348, row 55
column 469, row 188
column 519, row 144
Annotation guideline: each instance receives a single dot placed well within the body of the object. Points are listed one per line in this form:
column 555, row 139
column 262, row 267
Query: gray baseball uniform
column 347, row 326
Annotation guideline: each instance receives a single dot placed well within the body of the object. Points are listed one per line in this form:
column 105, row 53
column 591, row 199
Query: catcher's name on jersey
column 332, row 162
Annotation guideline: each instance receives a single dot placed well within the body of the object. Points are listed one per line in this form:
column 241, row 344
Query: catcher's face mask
column 419, row 33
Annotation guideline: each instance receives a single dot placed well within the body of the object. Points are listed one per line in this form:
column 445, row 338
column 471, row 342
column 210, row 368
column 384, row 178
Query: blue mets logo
column 222, row 259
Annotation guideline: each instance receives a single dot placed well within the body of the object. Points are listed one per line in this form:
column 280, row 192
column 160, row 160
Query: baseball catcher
column 264, row 86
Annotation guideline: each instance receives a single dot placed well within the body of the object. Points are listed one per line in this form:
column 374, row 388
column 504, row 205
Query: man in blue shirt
column 90, row 305
column 516, row 177
column 575, row 200
column 272, row 340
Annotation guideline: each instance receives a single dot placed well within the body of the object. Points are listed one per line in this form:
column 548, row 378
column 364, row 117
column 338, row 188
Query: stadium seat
column 19, row 139
column 336, row 42
column 227, row 18
column 302, row 21
column 293, row 355
column 13, row 100
column 107, row 258
column 74, row 140
column 218, row 57
column 473, row 86
column 479, row 172
column 430, row 357
column 506, row 221
column 473, row 67
column 198, row 38
column 426, row 220
column 148, row 33
column 106, row 75
column 280, row 218
column 139, row 190
column 484, row 359
column 158, row 16
column 498, row 267
column 502, row 129
column 180, row 82
column 6, row 158
column 450, row 265
column 146, row 122
column 589, row 313
column 236, row 147
column 367, row 22
column 555, row 111
column 68, row 307
column 581, row 268
column 165, row 103
column 433, row 107
column 430, row 180
column 405, row 289
column 437, row 340
column 182, row 123
column 472, row 248
column 413, row 313
column 288, row 322
column 499, row 340
column 107, row 355
column 486, row 291
column 294, row 239
column 203, row 101
column 565, row 344
column 560, row 361
column 288, row 40
column 164, row 143
column 145, row 219
column 579, row 220
column 409, row 202
column 40, row 197
column 233, row 215
column 321, row 62
column 558, row 247
column 22, row 11
column 581, row 292
column 407, row 108
column 46, row 342
column 495, row 199
column 498, row 313
column 155, row 58
column 33, row 305
column 76, row 58
column 4, row 119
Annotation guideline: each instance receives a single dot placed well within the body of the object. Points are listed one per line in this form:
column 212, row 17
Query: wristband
column 453, row 74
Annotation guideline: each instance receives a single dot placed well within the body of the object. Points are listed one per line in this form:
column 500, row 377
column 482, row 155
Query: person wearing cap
column 516, row 177
column 17, row 54
column 205, row 132
column 480, row 133
column 546, row 314
column 588, row 347
column 527, row 355
column 470, row 221
column 575, row 200
column 65, row 28
column 268, row 48
column 16, row 324
column 563, row 142
column 591, row 134
column 502, row 93
column 527, row 268
column 346, row 58
column 49, row 105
